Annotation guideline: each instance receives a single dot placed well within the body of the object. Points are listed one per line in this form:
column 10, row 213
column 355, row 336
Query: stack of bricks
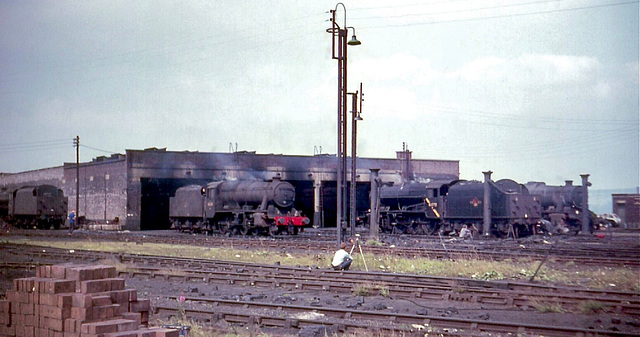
column 76, row 301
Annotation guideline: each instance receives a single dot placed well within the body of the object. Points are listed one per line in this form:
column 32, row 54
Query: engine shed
column 135, row 188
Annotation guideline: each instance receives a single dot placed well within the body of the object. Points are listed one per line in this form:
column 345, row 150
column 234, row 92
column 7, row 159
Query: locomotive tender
column 42, row 207
column 445, row 206
column 237, row 207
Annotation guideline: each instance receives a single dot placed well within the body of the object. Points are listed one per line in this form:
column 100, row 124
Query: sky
column 531, row 90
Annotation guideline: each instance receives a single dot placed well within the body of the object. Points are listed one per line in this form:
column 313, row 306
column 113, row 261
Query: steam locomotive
column 446, row 206
column 237, row 207
column 42, row 207
column 562, row 206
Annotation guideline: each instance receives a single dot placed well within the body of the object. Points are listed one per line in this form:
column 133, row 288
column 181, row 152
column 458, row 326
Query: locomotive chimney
column 585, row 204
column 374, row 201
column 568, row 183
column 404, row 157
column 486, row 226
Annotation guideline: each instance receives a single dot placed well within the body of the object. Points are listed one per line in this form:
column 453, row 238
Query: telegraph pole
column 76, row 143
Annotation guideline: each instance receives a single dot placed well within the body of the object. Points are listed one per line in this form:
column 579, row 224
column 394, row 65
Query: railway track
column 496, row 294
column 355, row 321
column 590, row 252
column 422, row 290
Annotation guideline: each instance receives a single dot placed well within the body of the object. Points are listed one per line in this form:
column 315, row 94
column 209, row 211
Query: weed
column 546, row 307
column 384, row 291
column 362, row 290
column 590, row 307
column 373, row 242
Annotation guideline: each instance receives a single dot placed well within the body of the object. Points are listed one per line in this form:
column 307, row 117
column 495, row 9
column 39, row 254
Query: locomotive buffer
column 356, row 243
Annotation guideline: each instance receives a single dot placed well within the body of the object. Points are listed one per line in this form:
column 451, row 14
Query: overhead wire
column 498, row 16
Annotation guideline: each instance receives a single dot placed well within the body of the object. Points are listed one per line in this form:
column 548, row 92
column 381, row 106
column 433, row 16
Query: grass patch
column 547, row 307
column 369, row 289
column 592, row 307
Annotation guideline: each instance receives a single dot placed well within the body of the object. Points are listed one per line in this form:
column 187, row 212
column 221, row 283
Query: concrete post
column 486, row 227
column 374, row 202
column 317, row 200
column 585, row 204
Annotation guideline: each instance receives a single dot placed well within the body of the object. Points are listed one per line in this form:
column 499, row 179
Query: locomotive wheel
column 429, row 229
column 274, row 230
column 224, row 228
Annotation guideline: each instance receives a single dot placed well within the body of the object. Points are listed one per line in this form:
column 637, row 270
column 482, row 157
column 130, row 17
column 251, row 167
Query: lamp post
column 339, row 52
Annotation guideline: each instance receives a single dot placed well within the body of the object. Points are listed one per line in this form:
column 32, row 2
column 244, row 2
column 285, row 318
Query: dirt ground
column 157, row 290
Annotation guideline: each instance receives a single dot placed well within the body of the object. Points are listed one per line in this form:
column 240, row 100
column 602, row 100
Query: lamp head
column 354, row 41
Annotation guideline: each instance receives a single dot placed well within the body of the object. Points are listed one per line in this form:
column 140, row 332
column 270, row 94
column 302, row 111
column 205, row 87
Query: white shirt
column 339, row 257
column 465, row 232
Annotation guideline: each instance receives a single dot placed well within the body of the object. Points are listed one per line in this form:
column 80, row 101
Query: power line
column 96, row 149
column 499, row 16
column 522, row 4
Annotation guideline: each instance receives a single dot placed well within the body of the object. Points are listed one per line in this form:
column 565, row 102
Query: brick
column 29, row 331
column 53, row 324
column 101, row 300
column 43, row 271
column 69, row 325
column 5, row 318
column 80, row 300
column 65, row 300
column 133, row 316
column 8, row 330
column 81, row 314
column 24, row 284
column 79, row 273
column 99, row 327
column 95, row 286
column 146, row 333
column 59, row 271
column 140, row 306
column 46, row 299
column 144, row 317
column 120, row 296
column 162, row 332
column 110, row 272
column 120, row 309
column 122, row 334
column 102, row 312
column 54, row 312
column 26, row 308
column 12, row 296
column 52, row 286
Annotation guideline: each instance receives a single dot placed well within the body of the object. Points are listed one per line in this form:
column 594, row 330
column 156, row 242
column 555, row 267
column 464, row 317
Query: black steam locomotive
column 42, row 207
column 237, row 207
column 562, row 206
column 446, row 206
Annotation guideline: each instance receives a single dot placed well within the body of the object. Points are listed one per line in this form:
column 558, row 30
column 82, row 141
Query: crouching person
column 341, row 260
